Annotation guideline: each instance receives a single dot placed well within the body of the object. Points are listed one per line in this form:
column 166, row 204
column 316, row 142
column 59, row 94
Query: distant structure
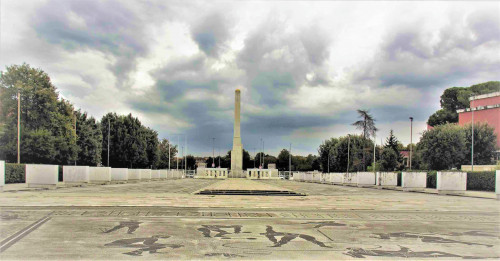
column 486, row 109
column 237, row 151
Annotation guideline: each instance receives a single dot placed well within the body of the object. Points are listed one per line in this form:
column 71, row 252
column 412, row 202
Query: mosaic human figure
column 287, row 237
column 131, row 225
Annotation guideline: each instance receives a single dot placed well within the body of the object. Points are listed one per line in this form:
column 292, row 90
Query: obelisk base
column 237, row 163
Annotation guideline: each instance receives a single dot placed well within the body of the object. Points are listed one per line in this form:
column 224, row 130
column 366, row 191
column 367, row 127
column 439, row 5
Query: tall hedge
column 481, row 180
column 15, row 173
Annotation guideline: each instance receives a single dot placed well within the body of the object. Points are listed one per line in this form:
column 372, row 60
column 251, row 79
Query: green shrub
column 481, row 180
column 431, row 179
column 15, row 173
column 60, row 173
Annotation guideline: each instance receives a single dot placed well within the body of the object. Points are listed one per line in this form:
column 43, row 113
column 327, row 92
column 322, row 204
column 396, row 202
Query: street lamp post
column 18, row 126
column 290, row 161
column 109, row 131
column 213, row 152
column 348, row 147
column 472, row 134
column 411, row 138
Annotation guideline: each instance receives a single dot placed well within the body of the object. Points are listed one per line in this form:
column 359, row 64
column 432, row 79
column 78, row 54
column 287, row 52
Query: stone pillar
column 237, row 151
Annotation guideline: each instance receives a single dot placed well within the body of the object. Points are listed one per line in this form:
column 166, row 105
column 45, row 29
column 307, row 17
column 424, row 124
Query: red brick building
column 486, row 108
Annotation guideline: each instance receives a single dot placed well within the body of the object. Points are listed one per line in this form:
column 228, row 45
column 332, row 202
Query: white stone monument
column 134, row 175
column 366, row 179
column 237, row 151
column 42, row 176
column 119, row 175
column 451, row 182
column 413, row 181
column 76, row 175
column 100, row 175
column 386, row 179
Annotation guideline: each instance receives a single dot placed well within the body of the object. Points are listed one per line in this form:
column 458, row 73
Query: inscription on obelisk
column 237, row 152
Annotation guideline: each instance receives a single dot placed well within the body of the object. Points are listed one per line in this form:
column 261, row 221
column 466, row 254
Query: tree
column 89, row 139
column 191, row 162
column 443, row 147
column 366, row 124
column 393, row 144
column 325, row 151
column 389, row 159
column 283, row 160
column 163, row 154
column 455, row 98
column 44, row 118
column 484, row 143
column 247, row 162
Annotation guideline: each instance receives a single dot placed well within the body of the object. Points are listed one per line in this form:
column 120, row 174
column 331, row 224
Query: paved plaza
column 161, row 220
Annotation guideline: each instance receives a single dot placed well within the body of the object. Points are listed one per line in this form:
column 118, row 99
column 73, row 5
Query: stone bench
column 386, row 179
column 2, row 174
column 119, row 175
column 365, row 179
column 451, row 182
column 350, row 179
column 76, row 175
column 100, row 175
column 145, row 174
column 42, row 176
column 134, row 175
column 413, row 181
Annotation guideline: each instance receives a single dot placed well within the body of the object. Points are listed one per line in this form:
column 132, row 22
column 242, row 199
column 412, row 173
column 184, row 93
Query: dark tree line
column 53, row 132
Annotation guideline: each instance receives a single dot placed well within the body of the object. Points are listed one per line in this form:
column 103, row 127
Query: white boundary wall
column 414, row 180
column 119, row 174
column 41, row 175
column 387, row 179
column 2, row 174
column 76, row 174
column 100, row 174
column 366, row 178
column 451, row 181
column 145, row 174
column 155, row 174
column 350, row 178
column 163, row 173
column 134, row 174
column 336, row 178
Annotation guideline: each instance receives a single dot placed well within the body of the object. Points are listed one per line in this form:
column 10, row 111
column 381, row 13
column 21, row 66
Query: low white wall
column 145, row 174
column 134, row 174
column 76, row 174
column 100, row 174
column 387, row 179
column 163, row 173
column 119, row 174
column 451, row 181
column 366, row 178
column 155, row 174
column 414, row 179
column 41, row 174
column 350, row 178
column 336, row 178
column 2, row 174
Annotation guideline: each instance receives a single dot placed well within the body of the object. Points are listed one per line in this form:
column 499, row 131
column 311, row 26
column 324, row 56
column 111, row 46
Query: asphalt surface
column 161, row 220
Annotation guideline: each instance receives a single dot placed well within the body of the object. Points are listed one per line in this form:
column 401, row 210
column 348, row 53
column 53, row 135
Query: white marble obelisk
column 237, row 152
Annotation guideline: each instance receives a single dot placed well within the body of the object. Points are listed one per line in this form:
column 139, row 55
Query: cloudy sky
column 303, row 67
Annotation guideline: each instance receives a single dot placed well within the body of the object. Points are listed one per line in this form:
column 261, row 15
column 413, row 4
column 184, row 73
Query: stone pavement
column 165, row 220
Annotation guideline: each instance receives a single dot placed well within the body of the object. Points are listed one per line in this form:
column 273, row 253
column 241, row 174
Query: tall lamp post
column 290, row 161
column 348, row 147
column 472, row 134
column 213, row 152
column 18, row 126
column 411, row 138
